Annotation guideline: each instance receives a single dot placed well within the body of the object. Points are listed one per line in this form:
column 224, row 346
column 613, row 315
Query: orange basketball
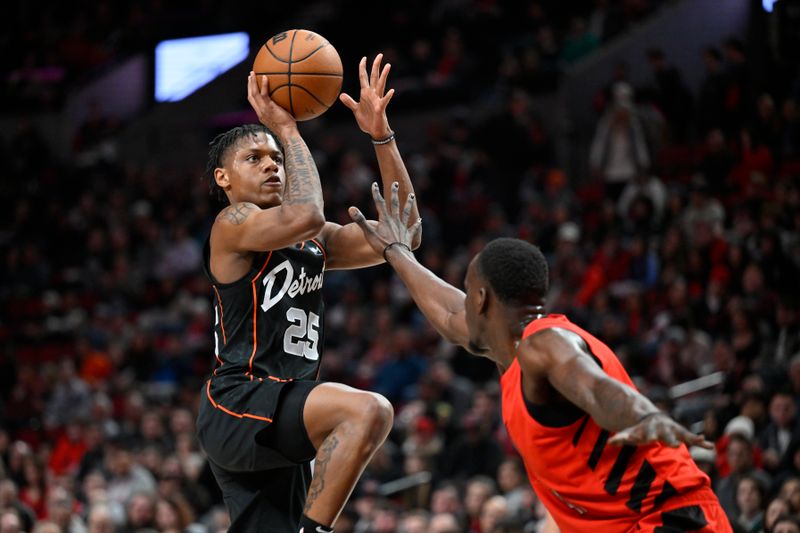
column 304, row 70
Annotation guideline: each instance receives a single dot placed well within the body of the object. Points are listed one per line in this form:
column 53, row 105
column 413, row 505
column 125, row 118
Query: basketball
column 304, row 70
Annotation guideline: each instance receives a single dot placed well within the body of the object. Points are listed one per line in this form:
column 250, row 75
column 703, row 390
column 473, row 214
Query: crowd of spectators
column 681, row 251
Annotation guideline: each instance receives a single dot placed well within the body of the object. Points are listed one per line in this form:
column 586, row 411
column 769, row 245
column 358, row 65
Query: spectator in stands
column 61, row 510
column 766, row 124
column 711, row 99
column 790, row 491
column 790, row 141
column 703, row 209
column 71, row 398
column 479, row 490
column 738, row 92
column 786, row 524
column 580, row 41
column 750, row 501
column 705, row 460
column 10, row 521
column 513, row 483
column 782, row 429
column 671, row 95
column 619, row 151
column 414, row 522
column 642, row 202
column 444, row 523
column 474, row 452
column 100, row 519
column 140, row 510
column 494, row 514
column 740, row 459
column 776, row 508
column 127, row 477
column 9, row 500
column 717, row 162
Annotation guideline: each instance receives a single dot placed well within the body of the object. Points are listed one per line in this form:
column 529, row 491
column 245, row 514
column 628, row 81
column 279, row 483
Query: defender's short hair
column 221, row 144
column 515, row 270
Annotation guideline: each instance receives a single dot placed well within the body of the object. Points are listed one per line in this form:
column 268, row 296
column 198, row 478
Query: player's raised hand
column 392, row 226
column 370, row 110
column 269, row 113
column 658, row 427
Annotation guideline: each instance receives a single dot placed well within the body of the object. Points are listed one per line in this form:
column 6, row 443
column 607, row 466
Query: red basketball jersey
column 582, row 481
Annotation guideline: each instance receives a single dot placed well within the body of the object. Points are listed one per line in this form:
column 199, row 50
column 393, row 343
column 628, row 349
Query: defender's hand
column 269, row 113
column 370, row 110
column 392, row 226
column 659, row 427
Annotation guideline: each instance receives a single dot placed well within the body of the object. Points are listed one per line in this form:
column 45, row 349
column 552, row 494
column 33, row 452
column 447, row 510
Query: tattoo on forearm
column 623, row 408
column 303, row 184
column 236, row 214
column 320, row 468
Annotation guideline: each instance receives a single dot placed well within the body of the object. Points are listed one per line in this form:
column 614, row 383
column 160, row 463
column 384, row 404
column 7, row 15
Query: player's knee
column 377, row 415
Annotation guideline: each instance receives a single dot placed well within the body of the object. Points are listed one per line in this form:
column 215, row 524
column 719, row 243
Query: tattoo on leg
column 320, row 468
column 236, row 214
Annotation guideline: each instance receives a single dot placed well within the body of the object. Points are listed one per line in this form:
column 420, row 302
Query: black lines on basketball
column 299, row 74
column 289, row 72
column 311, row 53
column 273, row 54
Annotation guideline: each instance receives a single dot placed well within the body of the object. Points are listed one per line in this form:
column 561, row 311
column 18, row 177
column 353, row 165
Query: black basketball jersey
column 269, row 324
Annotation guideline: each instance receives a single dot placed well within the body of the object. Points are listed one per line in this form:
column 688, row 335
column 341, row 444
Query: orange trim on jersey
column 221, row 316
column 273, row 378
column 281, row 380
column 321, row 249
column 228, row 411
column 255, row 314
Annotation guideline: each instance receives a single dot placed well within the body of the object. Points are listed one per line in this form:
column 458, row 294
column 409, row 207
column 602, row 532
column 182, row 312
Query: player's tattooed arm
column 303, row 189
column 303, row 185
column 237, row 213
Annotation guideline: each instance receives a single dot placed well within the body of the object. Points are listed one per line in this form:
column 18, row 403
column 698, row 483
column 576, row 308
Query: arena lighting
column 768, row 5
column 184, row 65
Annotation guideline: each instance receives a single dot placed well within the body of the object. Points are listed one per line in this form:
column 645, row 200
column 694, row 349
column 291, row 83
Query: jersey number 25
column 302, row 336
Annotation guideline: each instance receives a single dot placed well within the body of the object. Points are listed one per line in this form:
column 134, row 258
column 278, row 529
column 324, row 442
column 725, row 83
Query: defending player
column 566, row 397
column 263, row 416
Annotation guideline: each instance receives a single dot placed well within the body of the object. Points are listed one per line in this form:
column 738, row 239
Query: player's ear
column 483, row 301
column 221, row 177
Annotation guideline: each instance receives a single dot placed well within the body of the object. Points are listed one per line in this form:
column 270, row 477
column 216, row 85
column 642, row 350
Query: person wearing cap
column 739, row 453
column 705, row 460
column 619, row 149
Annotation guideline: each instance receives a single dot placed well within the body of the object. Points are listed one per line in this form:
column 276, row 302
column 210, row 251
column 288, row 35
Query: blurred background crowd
column 676, row 241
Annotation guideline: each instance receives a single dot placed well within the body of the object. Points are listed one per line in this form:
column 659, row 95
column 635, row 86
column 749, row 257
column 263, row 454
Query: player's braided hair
column 515, row 270
column 219, row 146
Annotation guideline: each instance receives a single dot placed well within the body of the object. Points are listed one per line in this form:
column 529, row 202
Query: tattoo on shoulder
column 236, row 214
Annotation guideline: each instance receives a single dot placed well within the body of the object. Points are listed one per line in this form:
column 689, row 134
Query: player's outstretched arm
column 346, row 245
column 391, row 237
column 561, row 356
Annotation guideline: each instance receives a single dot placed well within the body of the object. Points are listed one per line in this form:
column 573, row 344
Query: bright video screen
column 184, row 65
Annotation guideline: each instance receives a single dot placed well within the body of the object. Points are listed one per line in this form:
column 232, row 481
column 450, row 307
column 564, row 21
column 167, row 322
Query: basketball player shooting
column 263, row 414
column 598, row 453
